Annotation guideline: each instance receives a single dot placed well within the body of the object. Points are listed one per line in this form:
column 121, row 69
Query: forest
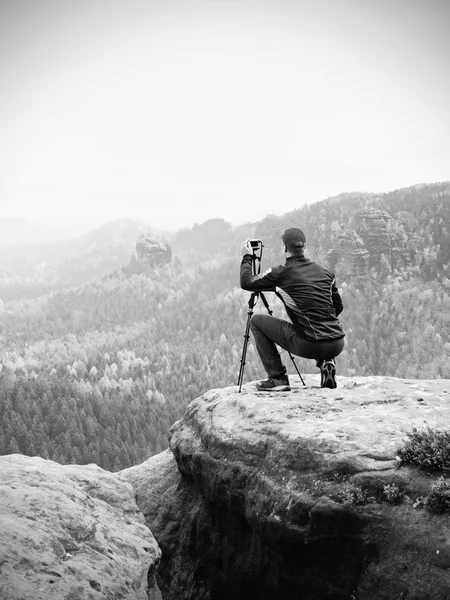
column 99, row 372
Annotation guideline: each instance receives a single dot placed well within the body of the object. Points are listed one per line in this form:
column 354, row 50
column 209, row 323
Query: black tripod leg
column 244, row 353
column 266, row 304
column 251, row 304
column 296, row 368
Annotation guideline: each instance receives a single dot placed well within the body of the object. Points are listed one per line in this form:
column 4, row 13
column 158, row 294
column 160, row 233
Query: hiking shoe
column 279, row 384
column 328, row 374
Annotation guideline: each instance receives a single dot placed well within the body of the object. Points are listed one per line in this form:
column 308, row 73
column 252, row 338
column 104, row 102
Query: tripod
column 251, row 304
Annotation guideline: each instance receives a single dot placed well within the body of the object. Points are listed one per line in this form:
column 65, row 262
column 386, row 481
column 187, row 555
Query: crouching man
column 312, row 303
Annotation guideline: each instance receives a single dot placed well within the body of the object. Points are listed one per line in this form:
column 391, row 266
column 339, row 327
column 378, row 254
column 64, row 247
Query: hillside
column 404, row 231
column 98, row 371
column 30, row 270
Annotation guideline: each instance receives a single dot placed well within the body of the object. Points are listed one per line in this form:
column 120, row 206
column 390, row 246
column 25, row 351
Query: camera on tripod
column 256, row 248
column 255, row 244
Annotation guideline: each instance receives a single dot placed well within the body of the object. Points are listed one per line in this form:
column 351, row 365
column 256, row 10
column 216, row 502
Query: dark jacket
column 308, row 292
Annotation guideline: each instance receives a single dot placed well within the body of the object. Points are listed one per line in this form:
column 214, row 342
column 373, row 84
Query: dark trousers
column 269, row 331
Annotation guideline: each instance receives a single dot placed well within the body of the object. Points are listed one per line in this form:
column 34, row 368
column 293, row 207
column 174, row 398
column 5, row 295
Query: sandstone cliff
column 376, row 242
column 72, row 533
column 350, row 255
column 299, row 495
column 153, row 253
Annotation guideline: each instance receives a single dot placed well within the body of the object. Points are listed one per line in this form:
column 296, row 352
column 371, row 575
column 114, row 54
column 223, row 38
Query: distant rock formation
column 375, row 242
column 294, row 495
column 376, row 229
column 351, row 254
column 153, row 253
column 72, row 262
column 71, row 532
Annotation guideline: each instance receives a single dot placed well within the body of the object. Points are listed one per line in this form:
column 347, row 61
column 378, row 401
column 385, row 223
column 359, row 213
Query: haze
column 174, row 112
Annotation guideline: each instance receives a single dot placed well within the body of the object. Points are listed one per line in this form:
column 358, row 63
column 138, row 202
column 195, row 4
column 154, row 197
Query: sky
column 177, row 111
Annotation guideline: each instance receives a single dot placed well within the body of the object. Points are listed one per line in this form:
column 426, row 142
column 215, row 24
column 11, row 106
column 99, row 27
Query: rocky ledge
column 299, row 495
column 72, row 533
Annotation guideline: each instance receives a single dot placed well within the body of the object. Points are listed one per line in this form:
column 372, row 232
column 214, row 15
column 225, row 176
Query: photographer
column 312, row 302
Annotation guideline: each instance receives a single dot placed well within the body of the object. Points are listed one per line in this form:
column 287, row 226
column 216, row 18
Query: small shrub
column 428, row 449
column 393, row 494
column 438, row 502
column 356, row 495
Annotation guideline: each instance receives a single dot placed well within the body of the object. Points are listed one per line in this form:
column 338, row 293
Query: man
column 312, row 302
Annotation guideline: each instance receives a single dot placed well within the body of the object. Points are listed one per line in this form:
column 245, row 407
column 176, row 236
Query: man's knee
column 255, row 321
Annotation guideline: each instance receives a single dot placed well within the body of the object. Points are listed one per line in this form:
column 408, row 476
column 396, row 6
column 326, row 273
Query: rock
column 376, row 242
column 350, row 256
column 156, row 483
column 384, row 242
column 283, row 495
column 152, row 481
column 72, row 533
column 153, row 253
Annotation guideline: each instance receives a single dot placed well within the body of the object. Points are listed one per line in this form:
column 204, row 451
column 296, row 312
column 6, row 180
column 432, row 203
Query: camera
column 255, row 245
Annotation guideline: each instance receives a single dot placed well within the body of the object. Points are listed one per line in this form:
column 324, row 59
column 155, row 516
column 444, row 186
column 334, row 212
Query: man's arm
column 265, row 282
column 336, row 297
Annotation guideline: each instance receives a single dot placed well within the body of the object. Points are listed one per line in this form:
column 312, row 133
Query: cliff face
column 294, row 495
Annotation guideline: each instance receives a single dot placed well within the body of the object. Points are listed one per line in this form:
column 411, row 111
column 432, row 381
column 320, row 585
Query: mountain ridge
column 75, row 261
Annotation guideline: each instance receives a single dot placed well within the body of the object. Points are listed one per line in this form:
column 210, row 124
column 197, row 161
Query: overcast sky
column 178, row 111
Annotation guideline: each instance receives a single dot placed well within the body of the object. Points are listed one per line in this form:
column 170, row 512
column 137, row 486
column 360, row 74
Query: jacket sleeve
column 336, row 297
column 265, row 282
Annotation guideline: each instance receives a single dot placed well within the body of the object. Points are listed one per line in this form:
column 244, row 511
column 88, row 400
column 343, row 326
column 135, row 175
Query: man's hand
column 246, row 248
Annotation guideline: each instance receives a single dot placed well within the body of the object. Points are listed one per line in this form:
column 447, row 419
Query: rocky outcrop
column 72, row 533
column 351, row 254
column 299, row 495
column 153, row 253
column 377, row 230
column 375, row 242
